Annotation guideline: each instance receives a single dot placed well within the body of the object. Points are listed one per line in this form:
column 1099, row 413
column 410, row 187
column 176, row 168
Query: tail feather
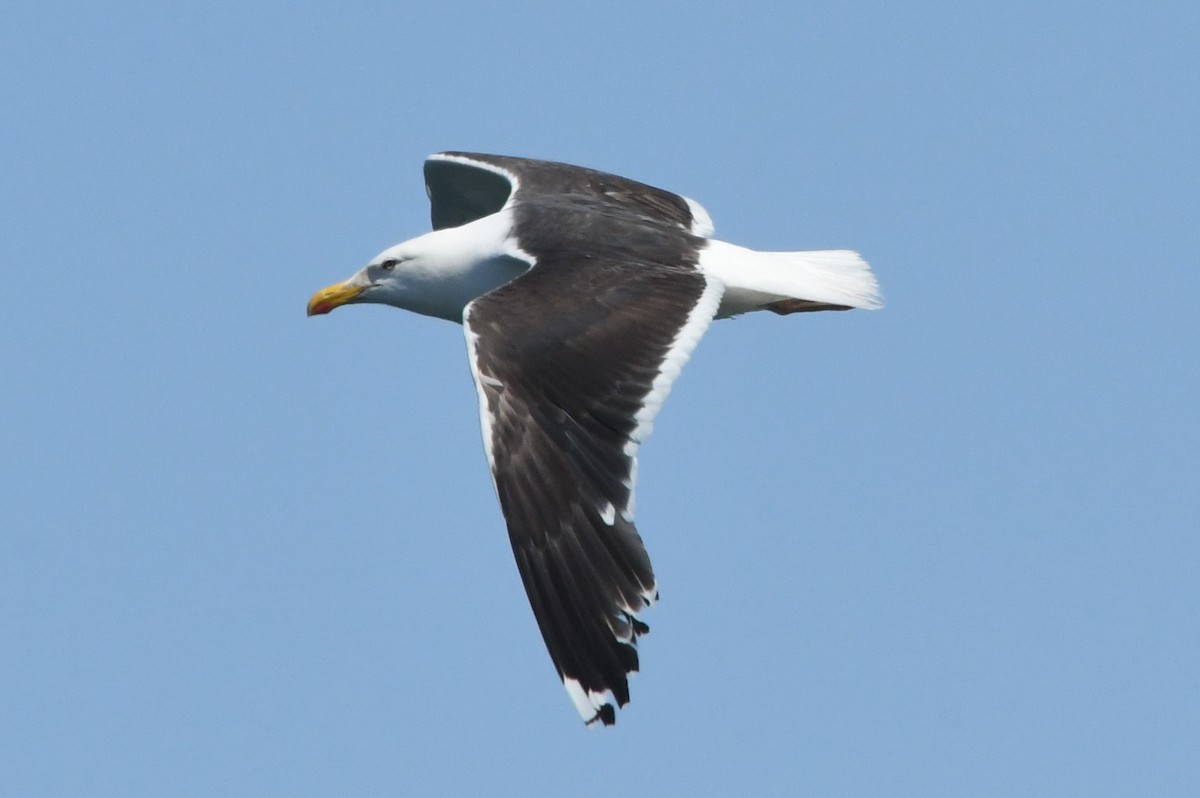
column 830, row 279
column 785, row 306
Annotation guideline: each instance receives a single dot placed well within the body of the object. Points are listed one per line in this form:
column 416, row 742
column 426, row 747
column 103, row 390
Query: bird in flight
column 581, row 294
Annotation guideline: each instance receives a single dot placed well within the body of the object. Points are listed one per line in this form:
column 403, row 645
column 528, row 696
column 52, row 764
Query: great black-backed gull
column 582, row 295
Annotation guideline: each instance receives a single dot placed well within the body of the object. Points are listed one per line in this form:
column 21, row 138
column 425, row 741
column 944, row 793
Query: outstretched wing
column 464, row 186
column 572, row 361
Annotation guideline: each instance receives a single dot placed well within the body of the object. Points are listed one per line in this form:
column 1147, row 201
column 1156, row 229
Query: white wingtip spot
column 650, row 595
column 589, row 704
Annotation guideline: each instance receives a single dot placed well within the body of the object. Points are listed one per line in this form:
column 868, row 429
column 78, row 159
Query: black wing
column 464, row 186
column 572, row 360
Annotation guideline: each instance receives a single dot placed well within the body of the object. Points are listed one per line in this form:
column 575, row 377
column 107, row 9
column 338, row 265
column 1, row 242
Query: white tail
column 756, row 280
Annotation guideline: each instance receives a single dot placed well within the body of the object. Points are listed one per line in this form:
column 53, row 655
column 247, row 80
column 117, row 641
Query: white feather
column 754, row 279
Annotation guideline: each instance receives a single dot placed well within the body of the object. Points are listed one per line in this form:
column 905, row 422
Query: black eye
column 388, row 264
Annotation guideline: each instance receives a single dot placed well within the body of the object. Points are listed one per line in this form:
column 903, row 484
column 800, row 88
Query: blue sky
column 949, row 548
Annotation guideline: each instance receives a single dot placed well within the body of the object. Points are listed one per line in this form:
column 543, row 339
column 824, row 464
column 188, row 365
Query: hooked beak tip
column 332, row 297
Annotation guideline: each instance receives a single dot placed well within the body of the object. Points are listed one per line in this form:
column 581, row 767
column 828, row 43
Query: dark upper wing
column 572, row 360
column 464, row 186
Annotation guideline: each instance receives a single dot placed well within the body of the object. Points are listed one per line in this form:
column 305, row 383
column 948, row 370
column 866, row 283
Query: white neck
column 456, row 265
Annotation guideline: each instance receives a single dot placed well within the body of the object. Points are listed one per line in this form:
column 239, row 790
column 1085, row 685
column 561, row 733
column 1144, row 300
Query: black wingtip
column 606, row 715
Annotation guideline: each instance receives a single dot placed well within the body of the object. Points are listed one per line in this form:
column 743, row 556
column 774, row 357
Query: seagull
column 582, row 295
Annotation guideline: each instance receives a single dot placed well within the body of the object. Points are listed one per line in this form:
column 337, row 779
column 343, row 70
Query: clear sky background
column 945, row 549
